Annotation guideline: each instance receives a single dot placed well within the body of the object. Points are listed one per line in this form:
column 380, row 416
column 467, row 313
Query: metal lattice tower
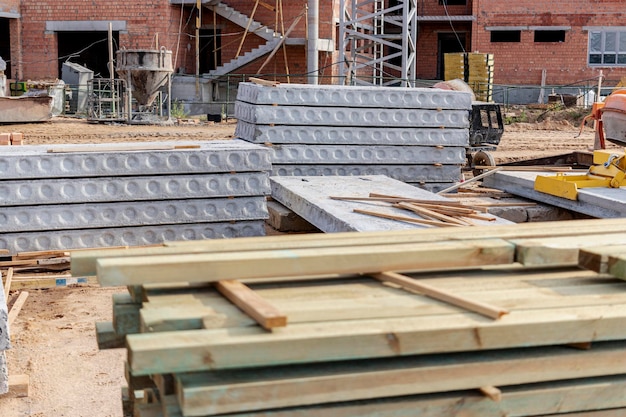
column 378, row 41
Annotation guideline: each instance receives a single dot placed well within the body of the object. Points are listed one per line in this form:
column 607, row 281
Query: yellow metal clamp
column 610, row 172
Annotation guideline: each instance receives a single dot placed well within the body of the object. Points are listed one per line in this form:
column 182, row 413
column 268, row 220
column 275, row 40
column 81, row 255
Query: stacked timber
column 5, row 341
column 83, row 196
column 415, row 135
column 480, row 321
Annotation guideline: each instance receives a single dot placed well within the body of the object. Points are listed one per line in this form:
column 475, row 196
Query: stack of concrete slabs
column 310, row 198
column 79, row 196
column 415, row 135
column 599, row 202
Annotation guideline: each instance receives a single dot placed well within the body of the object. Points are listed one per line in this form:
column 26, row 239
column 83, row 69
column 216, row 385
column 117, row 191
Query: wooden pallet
column 200, row 344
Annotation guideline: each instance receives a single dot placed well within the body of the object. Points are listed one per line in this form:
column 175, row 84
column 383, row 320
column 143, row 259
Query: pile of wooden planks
column 37, row 270
column 476, row 321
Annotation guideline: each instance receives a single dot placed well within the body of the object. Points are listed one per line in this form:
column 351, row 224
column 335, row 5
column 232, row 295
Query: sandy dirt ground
column 54, row 335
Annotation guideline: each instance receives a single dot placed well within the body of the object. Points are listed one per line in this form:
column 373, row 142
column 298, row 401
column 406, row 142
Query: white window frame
column 610, row 52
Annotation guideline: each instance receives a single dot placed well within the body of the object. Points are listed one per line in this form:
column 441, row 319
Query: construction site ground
column 53, row 337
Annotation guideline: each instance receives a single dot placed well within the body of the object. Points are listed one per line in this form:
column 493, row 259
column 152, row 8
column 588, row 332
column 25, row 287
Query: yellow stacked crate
column 480, row 69
column 454, row 66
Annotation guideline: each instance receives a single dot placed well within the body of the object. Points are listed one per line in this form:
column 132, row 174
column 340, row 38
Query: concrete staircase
column 244, row 59
column 241, row 19
column 255, row 27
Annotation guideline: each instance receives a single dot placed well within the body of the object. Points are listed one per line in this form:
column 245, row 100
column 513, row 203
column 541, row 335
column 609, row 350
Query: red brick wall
column 144, row 20
column 566, row 62
column 10, row 6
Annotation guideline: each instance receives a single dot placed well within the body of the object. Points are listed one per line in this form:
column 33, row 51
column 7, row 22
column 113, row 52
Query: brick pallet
column 82, row 196
column 415, row 135
column 330, row 325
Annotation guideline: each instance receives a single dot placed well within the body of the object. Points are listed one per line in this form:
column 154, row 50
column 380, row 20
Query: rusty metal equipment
column 147, row 73
column 610, row 120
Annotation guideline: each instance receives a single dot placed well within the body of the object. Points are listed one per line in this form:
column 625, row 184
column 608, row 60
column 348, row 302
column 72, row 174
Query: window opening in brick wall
column 607, row 48
column 549, row 36
column 210, row 50
column 506, row 36
column 89, row 49
column 5, row 46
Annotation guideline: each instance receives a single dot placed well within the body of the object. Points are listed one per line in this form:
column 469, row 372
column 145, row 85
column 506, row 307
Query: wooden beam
column 408, row 283
column 83, row 263
column 564, row 250
column 355, row 298
column 349, row 381
column 596, row 258
column 473, row 179
column 38, row 281
column 302, row 262
column 406, row 219
column 261, row 81
column 7, row 282
column 17, row 307
column 582, row 397
column 306, row 342
column 120, row 148
column 19, row 385
column 265, row 314
column 106, row 336
column 491, row 392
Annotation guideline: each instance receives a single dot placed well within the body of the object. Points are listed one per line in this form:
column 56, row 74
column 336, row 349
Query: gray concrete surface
column 350, row 154
column 21, row 162
column 594, row 202
column 92, row 197
column 127, row 236
column 309, row 197
column 346, row 116
column 353, row 96
column 337, row 135
column 120, row 214
column 111, row 189
column 405, row 173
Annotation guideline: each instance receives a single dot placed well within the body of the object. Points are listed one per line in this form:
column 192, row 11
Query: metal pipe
column 312, row 59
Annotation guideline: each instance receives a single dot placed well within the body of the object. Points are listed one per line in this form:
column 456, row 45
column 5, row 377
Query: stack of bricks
column 414, row 135
column 11, row 138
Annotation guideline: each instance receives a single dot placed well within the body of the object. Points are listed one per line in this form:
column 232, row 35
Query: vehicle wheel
column 481, row 158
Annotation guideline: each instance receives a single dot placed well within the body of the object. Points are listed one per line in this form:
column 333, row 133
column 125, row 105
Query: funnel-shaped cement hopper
column 147, row 70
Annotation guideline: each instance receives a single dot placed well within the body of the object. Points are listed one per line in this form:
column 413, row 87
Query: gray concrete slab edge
column 120, row 214
column 29, row 162
column 331, row 135
column 111, row 189
column 127, row 236
column 405, row 173
column 345, row 116
column 355, row 154
column 353, row 96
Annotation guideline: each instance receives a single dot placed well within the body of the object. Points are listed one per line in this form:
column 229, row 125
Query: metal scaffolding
column 378, row 41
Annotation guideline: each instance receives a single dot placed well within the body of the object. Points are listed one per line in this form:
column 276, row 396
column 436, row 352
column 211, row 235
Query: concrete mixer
column 610, row 118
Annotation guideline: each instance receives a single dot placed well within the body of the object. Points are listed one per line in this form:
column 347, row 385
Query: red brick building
column 567, row 41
